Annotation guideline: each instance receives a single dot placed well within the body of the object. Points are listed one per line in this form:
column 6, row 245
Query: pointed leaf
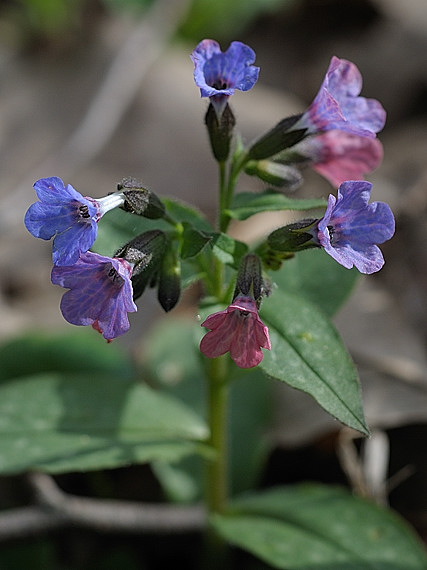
column 246, row 204
column 314, row 275
column 193, row 241
column 316, row 527
column 228, row 250
column 61, row 423
column 308, row 354
column 80, row 351
column 182, row 212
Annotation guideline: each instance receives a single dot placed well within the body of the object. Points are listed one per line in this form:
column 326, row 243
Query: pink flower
column 338, row 105
column 339, row 156
column 238, row 330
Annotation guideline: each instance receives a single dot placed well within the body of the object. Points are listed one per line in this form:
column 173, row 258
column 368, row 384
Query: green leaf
column 316, row 527
column 314, row 275
column 118, row 227
column 308, row 354
column 75, row 422
column 247, row 204
column 228, row 250
column 182, row 212
column 193, row 241
column 81, row 352
column 174, row 363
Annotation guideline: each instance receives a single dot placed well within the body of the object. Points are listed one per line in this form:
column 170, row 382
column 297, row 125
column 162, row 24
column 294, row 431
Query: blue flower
column 66, row 216
column 351, row 228
column 218, row 74
column 100, row 293
column 337, row 105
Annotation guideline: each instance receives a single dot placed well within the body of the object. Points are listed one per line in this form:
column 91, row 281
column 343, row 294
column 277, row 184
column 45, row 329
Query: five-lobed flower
column 338, row 105
column 65, row 215
column 237, row 330
column 351, row 227
column 100, row 293
column 218, row 74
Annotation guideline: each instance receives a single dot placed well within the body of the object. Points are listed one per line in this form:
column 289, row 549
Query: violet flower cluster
column 100, row 287
column 335, row 135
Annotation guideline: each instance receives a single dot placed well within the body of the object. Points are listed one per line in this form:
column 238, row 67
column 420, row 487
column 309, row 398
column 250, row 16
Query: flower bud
column 275, row 173
column 170, row 279
column 250, row 281
column 220, row 131
column 293, row 237
column 277, row 139
column 145, row 253
column 139, row 200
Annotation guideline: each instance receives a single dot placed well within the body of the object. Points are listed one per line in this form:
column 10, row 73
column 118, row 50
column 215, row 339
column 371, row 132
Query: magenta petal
column 237, row 330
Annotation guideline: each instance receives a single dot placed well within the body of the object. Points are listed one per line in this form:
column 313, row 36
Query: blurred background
column 96, row 90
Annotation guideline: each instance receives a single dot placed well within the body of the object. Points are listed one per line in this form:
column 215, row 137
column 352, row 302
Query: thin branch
column 113, row 515
column 28, row 521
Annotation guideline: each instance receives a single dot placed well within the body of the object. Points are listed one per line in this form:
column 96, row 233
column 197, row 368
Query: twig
column 113, row 515
column 28, row 521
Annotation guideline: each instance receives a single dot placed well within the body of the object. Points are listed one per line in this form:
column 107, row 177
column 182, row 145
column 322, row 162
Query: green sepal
column 139, row 200
column 220, row 131
column 169, row 290
column 275, row 173
column 293, row 237
column 145, row 252
column 281, row 136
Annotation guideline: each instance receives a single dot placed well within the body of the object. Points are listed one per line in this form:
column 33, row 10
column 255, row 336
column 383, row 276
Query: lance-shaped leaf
column 228, row 250
column 247, row 204
column 308, row 354
column 58, row 422
column 317, row 527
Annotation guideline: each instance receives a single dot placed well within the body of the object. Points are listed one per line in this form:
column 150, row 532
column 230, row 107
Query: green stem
column 236, row 166
column 222, row 192
column 216, row 482
column 217, row 486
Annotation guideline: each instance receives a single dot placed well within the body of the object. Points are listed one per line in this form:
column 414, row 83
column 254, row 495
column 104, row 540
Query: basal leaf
column 80, row 352
column 74, row 422
column 246, row 204
column 308, row 354
column 317, row 527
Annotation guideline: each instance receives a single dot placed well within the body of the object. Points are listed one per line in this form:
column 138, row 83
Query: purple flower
column 340, row 156
column 100, row 293
column 351, row 228
column 218, row 74
column 66, row 216
column 238, row 330
column 337, row 105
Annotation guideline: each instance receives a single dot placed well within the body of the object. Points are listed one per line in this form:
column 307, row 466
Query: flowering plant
column 259, row 315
